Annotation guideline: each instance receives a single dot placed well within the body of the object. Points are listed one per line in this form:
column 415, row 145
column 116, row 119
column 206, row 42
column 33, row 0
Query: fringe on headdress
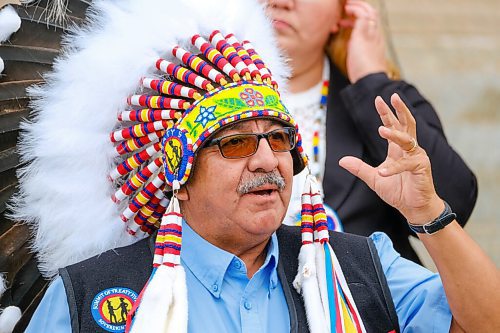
column 163, row 300
column 329, row 304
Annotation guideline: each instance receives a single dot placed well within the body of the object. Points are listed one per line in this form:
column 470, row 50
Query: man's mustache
column 268, row 178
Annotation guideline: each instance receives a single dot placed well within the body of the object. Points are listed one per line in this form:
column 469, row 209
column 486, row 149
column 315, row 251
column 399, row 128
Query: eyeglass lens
column 243, row 145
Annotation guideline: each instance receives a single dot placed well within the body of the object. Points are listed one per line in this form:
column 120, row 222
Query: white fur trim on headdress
column 64, row 192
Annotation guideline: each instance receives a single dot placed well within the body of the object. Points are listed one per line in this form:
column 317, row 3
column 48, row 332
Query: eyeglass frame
column 292, row 135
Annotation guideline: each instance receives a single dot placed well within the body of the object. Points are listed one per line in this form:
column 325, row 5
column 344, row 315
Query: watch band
column 445, row 218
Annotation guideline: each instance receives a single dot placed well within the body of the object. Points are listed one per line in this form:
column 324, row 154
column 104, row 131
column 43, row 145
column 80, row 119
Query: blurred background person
column 339, row 63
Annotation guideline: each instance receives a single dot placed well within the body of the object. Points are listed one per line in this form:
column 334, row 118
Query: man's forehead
column 248, row 125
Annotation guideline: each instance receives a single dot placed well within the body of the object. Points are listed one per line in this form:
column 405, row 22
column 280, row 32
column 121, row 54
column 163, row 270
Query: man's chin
column 266, row 221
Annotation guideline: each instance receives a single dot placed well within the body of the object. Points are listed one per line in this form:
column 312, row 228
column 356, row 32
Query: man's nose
column 264, row 158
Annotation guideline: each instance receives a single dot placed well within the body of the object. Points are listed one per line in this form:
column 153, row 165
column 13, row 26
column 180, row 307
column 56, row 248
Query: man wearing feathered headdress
column 196, row 177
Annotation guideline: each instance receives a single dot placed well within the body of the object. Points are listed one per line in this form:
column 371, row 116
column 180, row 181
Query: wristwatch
column 445, row 218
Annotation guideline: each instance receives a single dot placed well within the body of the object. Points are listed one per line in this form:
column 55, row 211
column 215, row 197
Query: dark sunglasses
column 244, row 145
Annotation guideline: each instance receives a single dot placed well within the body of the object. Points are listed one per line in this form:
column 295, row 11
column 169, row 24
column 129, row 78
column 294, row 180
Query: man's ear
column 183, row 193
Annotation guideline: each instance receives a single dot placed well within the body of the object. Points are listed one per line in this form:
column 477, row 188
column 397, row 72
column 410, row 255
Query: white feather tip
column 156, row 301
column 307, row 266
column 9, row 318
column 10, row 22
column 3, row 284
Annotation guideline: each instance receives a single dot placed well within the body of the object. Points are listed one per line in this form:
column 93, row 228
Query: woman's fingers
column 361, row 9
column 366, row 17
column 346, row 23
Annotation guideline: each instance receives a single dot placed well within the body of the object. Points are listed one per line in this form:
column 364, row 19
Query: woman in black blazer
column 356, row 70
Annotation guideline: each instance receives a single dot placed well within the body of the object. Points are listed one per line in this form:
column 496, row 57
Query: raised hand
column 366, row 47
column 404, row 179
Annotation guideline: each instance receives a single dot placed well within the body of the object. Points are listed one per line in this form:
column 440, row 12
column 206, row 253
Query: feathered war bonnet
column 161, row 77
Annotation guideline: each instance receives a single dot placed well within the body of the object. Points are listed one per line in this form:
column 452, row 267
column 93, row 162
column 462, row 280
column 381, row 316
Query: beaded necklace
column 311, row 117
column 318, row 120
column 333, row 219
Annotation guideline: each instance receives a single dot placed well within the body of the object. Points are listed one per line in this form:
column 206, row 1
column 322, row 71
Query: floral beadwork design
column 252, row 97
column 206, row 114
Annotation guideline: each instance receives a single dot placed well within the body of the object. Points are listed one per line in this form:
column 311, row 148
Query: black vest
column 129, row 268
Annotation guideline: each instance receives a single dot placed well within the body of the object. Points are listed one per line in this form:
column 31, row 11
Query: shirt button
column 215, row 287
column 248, row 305
column 237, row 264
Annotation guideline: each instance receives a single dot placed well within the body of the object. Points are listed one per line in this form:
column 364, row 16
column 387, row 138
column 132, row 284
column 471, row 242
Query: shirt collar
column 209, row 264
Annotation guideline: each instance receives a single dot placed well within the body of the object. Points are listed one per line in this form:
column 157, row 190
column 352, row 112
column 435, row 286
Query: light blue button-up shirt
column 222, row 299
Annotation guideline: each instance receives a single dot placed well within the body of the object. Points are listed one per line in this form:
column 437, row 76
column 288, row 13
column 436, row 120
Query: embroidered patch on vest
column 111, row 306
